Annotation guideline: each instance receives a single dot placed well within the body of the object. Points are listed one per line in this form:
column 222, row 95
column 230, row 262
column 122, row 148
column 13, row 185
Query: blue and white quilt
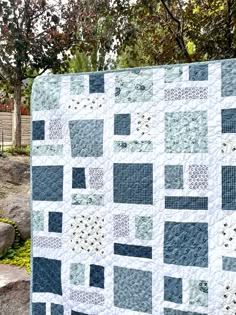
column 134, row 191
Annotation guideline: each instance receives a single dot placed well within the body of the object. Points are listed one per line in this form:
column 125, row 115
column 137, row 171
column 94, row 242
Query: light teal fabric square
column 174, row 177
column 86, row 137
column 38, row 220
column 88, row 199
column 173, row 73
column 198, row 292
column 186, row 132
column 47, row 150
column 133, row 146
column 46, row 93
column 134, row 86
column 143, row 228
column 77, row 274
column 76, row 85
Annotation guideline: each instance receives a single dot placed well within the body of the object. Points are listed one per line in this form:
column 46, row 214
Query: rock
column 16, row 207
column 14, row 171
column 7, row 237
column 14, row 291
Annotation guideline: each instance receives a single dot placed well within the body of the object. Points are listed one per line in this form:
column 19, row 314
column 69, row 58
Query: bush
column 19, row 253
column 24, row 150
column 19, row 257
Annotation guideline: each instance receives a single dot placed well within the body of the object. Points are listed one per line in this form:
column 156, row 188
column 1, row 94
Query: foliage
column 19, row 253
column 34, row 35
column 19, row 257
column 211, row 26
column 7, row 96
column 38, row 35
column 110, row 28
column 23, row 150
column 179, row 31
column 82, row 63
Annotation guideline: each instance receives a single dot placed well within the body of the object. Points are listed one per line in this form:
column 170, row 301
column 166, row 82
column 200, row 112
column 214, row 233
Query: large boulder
column 14, row 172
column 14, row 291
column 16, row 207
column 7, row 237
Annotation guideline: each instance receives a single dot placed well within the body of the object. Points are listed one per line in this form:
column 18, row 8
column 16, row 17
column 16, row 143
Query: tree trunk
column 17, row 116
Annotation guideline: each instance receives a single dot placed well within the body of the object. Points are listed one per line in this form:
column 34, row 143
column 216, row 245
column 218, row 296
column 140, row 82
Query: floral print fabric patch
column 133, row 191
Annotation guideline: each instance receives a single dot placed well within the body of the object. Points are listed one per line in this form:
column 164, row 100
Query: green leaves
column 19, row 257
column 179, row 31
column 191, row 47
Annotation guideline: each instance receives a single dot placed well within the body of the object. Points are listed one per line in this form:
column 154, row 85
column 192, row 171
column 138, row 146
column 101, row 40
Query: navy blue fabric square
column 55, row 222
column 78, row 177
column 38, row 130
column 229, row 187
column 77, row 313
column 38, row 308
column 228, row 78
column 133, row 250
column 47, row 275
column 198, row 72
column 171, row 311
column 133, row 183
column 57, row 309
column 186, row 244
column 96, row 276
column 122, row 124
column 173, row 290
column 47, row 183
column 96, row 83
column 228, row 120
column 186, row 203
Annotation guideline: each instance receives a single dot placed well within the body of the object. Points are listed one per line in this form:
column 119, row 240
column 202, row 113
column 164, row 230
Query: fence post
column 14, row 125
column 1, row 122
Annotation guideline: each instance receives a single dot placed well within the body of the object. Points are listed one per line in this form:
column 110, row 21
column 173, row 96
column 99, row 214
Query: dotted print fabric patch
column 133, row 191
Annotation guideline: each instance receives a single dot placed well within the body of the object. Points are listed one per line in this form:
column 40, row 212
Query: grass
column 24, row 150
column 19, row 257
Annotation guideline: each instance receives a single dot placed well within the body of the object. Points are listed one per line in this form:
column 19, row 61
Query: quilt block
column 133, row 177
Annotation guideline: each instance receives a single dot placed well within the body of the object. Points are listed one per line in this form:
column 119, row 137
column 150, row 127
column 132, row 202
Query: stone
column 16, row 207
column 14, row 291
column 7, row 237
column 13, row 171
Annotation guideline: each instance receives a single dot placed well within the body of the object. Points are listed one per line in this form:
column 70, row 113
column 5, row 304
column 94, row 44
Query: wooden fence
column 6, row 128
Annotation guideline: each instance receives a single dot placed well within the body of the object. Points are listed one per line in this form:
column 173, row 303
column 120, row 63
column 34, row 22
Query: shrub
column 24, row 150
column 19, row 253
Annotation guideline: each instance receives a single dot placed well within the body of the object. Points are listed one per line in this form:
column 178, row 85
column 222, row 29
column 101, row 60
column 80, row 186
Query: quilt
column 133, row 177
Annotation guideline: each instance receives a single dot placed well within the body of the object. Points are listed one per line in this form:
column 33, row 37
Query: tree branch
column 171, row 15
column 228, row 26
column 179, row 33
column 2, row 78
column 34, row 76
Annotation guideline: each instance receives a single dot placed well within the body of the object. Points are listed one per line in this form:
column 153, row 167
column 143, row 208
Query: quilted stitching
column 134, row 191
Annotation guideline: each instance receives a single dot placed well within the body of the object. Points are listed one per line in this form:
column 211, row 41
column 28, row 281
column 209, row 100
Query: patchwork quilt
column 133, row 178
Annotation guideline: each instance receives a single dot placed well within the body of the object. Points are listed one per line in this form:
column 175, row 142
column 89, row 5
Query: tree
column 211, row 27
column 110, row 29
column 36, row 35
column 180, row 31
